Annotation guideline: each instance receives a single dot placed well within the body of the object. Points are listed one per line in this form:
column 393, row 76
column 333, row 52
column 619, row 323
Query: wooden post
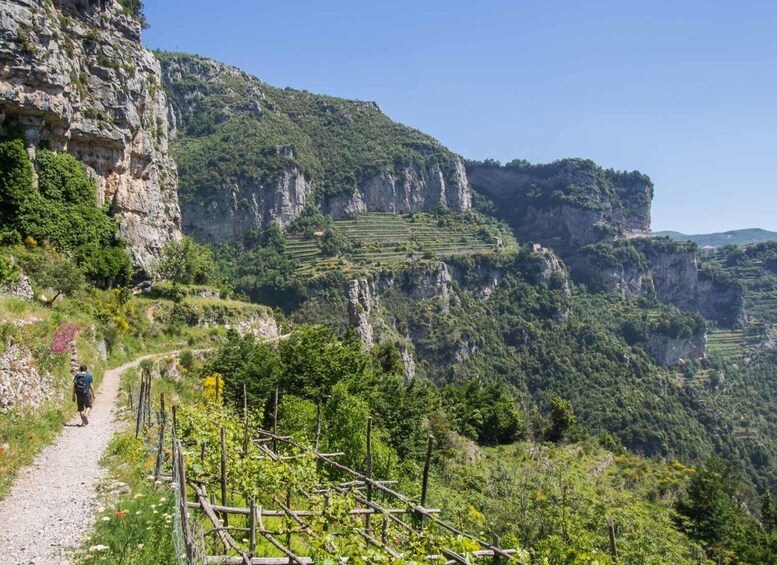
column 369, row 472
column 425, row 479
column 184, row 508
column 275, row 422
column 175, row 423
column 252, row 528
column 288, row 525
column 613, row 545
column 202, row 452
column 497, row 544
column 140, row 407
column 160, row 454
column 224, row 502
column 318, row 423
column 245, row 421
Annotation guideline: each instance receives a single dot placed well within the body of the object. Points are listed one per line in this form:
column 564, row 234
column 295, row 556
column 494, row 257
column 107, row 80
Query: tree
column 185, row 262
column 562, row 418
column 52, row 271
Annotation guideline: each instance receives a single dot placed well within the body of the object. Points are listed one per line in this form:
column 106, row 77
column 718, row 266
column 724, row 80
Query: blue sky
column 685, row 91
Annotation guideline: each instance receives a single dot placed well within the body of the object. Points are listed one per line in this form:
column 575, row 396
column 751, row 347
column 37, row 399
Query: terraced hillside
column 755, row 267
column 382, row 240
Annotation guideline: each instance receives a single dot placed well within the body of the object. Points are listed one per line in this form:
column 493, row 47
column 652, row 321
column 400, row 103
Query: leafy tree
column 52, row 271
column 562, row 418
column 186, row 262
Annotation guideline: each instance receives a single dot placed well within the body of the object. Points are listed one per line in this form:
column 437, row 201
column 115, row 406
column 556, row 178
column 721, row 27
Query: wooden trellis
column 374, row 517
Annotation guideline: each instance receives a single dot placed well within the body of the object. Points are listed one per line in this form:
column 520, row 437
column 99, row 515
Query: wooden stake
column 140, row 407
column 288, row 525
column 497, row 543
column 369, row 471
column 252, row 528
column 245, row 421
column 275, row 422
column 224, row 501
column 184, row 518
column 425, row 479
column 318, row 423
column 613, row 545
column 175, row 422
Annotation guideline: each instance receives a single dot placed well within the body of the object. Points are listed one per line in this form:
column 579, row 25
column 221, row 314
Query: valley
column 565, row 380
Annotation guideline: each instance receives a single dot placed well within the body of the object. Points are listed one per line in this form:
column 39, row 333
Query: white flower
column 138, row 495
column 106, row 519
column 163, row 499
column 140, row 546
column 97, row 548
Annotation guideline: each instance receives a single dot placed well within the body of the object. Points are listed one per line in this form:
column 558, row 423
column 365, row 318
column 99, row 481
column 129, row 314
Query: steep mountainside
column 735, row 237
column 74, row 77
column 295, row 148
column 565, row 204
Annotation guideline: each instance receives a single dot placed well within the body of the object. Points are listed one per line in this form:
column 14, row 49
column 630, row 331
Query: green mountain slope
column 735, row 237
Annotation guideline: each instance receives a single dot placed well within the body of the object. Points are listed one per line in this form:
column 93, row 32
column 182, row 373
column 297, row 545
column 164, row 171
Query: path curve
column 51, row 506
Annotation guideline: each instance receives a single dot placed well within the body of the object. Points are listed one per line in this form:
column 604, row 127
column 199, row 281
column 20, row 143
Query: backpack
column 81, row 382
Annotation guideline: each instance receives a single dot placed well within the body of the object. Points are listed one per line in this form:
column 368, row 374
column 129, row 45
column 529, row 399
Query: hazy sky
column 685, row 91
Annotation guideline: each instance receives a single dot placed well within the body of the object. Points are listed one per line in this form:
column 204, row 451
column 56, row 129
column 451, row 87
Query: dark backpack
column 81, row 383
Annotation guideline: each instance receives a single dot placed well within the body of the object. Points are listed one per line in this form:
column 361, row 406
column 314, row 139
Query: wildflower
column 155, row 512
column 138, row 495
column 163, row 499
column 140, row 546
column 138, row 513
column 98, row 548
column 121, row 513
column 106, row 519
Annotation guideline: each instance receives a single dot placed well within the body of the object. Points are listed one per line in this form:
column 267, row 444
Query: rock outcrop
column 359, row 307
column 22, row 384
column 667, row 270
column 408, row 189
column 74, row 77
column 670, row 351
column 566, row 204
column 250, row 154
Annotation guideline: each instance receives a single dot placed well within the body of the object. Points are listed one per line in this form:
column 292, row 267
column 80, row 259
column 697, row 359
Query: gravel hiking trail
column 51, row 506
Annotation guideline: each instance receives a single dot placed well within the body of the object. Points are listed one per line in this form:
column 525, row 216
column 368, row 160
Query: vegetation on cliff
column 336, row 143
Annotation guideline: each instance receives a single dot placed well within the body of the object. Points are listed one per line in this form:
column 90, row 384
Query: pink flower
column 63, row 337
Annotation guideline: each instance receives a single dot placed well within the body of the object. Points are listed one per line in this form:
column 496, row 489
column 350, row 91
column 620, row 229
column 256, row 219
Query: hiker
column 83, row 393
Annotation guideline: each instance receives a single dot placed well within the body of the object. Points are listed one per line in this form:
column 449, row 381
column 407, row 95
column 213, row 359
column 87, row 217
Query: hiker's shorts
column 84, row 401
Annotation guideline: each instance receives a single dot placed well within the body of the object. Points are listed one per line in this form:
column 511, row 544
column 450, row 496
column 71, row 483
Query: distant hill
column 735, row 237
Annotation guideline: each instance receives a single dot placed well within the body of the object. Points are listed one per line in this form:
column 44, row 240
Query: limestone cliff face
column 411, row 188
column 670, row 351
column 566, row 204
column 74, row 77
column 251, row 154
column 236, row 208
column 360, row 301
column 667, row 270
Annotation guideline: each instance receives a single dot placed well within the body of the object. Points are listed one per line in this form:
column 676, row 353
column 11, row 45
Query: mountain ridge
column 740, row 237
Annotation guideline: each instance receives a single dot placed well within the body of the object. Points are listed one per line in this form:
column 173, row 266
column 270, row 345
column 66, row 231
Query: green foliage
column 336, row 143
column 50, row 271
column 186, row 262
column 713, row 517
column 63, row 211
column 487, row 414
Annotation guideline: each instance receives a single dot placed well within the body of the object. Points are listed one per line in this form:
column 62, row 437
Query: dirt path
column 51, row 506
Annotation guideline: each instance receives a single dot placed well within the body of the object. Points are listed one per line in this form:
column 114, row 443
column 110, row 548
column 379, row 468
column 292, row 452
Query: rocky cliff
column 565, row 204
column 667, row 270
column 295, row 149
column 74, row 77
